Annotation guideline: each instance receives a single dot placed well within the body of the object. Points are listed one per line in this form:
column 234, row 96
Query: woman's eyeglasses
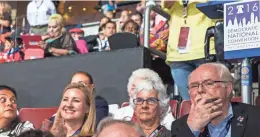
column 150, row 101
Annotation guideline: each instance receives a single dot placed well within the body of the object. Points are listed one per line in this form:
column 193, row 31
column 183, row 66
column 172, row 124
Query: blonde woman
column 5, row 22
column 77, row 114
column 57, row 42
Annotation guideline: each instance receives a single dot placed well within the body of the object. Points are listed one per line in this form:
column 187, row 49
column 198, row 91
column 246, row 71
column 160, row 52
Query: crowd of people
column 148, row 115
column 57, row 40
column 184, row 49
column 209, row 86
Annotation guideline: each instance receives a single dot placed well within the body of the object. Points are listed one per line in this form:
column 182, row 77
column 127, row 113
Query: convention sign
column 242, row 29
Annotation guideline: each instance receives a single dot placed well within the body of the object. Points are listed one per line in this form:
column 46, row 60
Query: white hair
column 224, row 73
column 151, row 81
column 142, row 73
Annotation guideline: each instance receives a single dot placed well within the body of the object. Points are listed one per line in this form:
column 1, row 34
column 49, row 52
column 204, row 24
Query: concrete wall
column 40, row 83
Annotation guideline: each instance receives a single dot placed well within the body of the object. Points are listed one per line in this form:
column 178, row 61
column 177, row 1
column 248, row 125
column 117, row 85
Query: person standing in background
column 185, row 49
column 38, row 13
column 107, row 6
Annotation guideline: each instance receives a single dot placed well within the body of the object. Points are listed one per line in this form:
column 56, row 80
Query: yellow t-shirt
column 198, row 24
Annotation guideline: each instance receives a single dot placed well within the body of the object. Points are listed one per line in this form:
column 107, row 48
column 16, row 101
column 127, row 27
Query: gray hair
column 142, row 73
column 108, row 121
column 151, row 81
column 223, row 73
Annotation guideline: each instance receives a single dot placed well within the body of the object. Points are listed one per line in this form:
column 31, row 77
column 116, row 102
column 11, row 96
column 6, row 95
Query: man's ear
column 229, row 88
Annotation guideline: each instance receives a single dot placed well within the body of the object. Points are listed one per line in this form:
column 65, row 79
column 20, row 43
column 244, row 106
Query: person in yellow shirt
column 185, row 50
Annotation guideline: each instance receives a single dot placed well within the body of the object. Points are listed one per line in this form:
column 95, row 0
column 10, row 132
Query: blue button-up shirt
column 216, row 131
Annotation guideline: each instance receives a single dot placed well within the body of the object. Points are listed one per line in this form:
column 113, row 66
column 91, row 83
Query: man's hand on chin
column 202, row 113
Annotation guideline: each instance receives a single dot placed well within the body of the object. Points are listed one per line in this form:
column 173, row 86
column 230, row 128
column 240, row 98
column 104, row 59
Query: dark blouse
column 161, row 131
column 165, row 133
column 65, row 41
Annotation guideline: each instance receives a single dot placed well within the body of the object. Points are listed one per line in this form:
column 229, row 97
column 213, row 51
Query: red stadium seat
column 36, row 115
column 184, row 108
column 125, row 104
column 257, row 101
column 174, row 106
column 33, row 53
column 236, row 99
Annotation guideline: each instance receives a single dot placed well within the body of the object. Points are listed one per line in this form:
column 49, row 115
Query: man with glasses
column 212, row 114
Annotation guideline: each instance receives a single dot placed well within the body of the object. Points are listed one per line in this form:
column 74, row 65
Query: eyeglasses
column 150, row 101
column 84, row 83
column 207, row 84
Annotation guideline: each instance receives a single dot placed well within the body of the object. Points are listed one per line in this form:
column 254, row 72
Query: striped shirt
column 16, row 129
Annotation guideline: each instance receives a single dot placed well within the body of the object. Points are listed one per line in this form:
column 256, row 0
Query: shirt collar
column 230, row 112
column 229, row 116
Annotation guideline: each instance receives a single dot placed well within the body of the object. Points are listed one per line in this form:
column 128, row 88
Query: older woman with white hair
column 153, row 81
column 150, row 102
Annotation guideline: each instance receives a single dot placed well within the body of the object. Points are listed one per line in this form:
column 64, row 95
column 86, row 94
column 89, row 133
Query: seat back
column 184, row 108
column 236, row 99
column 123, row 41
column 174, row 107
column 82, row 46
column 36, row 115
column 219, row 40
column 217, row 32
column 125, row 104
column 257, row 101
column 33, row 53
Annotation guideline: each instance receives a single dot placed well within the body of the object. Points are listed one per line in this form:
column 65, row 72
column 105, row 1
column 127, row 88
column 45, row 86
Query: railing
column 150, row 5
